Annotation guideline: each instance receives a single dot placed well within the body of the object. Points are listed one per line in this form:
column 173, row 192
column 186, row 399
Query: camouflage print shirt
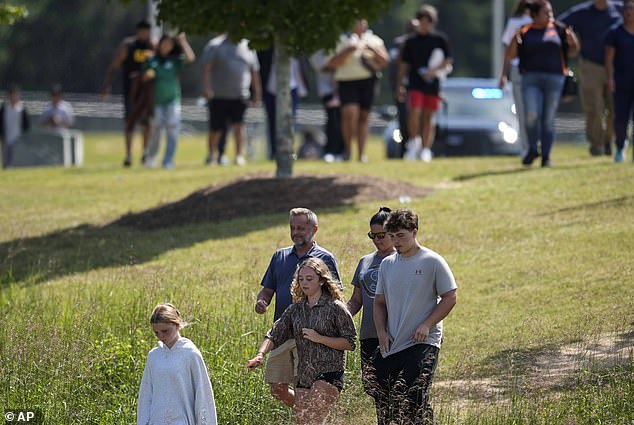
column 328, row 317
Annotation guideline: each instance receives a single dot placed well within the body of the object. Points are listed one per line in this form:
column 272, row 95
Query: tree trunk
column 283, row 116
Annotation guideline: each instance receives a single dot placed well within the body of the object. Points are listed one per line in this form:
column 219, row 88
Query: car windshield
column 478, row 102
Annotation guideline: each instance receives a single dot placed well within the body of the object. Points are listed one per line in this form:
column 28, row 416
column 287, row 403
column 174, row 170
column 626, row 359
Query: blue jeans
column 166, row 116
column 541, row 92
column 623, row 111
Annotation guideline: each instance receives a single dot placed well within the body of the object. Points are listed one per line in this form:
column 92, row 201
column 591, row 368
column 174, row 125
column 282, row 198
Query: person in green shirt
column 163, row 69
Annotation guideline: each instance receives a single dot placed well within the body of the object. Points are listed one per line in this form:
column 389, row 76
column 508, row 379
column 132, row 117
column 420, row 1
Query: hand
column 401, row 93
column 261, row 306
column 502, row 82
column 256, row 361
column 311, row 335
column 385, row 341
column 421, row 334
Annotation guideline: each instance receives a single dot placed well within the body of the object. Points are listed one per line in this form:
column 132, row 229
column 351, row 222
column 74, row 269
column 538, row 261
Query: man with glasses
column 281, row 366
column 416, row 290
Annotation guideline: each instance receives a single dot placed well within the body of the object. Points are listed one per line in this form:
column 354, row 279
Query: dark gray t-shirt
column 231, row 67
column 412, row 287
column 366, row 277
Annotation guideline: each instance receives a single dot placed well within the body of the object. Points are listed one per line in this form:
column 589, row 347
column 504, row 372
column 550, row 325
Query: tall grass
column 542, row 258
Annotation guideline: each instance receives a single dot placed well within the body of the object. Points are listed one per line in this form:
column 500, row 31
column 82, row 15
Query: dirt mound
column 258, row 194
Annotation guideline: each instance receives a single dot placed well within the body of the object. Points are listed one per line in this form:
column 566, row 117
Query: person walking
column 521, row 16
column 130, row 57
column 233, row 69
column 619, row 66
column 542, row 48
column 358, row 58
column 415, row 291
column 322, row 328
column 175, row 387
column 163, row 69
column 424, row 59
column 282, row 363
column 591, row 21
column 364, row 281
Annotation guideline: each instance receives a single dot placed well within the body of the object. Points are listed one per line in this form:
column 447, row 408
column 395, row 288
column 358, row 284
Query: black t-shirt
column 138, row 52
column 542, row 50
column 416, row 53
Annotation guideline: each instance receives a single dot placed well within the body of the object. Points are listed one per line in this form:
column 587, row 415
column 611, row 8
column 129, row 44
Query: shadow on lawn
column 140, row 237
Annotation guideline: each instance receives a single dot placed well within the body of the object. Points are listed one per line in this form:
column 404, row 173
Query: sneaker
column 224, row 161
column 363, row 159
column 240, row 161
column 618, row 155
column 594, row 151
column 210, row 159
column 547, row 163
column 413, row 149
column 127, row 162
column 168, row 166
column 425, row 155
column 529, row 158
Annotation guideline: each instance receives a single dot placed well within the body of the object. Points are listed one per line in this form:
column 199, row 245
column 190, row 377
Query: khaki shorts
column 281, row 366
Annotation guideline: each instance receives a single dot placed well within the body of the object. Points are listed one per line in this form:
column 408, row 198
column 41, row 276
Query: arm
column 119, row 58
column 187, row 49
column 144, row 402
column 204, row 404
column 207, row 70
column 574, row 45
column 345, row 327
column 511, row 52
column 337, row 60
column 356, row 301
column 337, row 343
column 380, row 322
column 381, row 56
column 447, row 301
column 609, row 65
column 257, row 87
column 264, row 299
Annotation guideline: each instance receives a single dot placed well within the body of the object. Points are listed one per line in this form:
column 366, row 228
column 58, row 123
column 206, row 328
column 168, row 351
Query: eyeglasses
column 377, row 235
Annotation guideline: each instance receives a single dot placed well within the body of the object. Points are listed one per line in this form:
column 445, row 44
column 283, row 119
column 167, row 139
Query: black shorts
column 360, row 92
column 333, row 378
column 225, row 111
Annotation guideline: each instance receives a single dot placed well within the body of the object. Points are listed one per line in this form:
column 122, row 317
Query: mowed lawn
column 543, row 259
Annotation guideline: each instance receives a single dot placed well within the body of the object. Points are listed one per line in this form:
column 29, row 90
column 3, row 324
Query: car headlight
column 509, row 134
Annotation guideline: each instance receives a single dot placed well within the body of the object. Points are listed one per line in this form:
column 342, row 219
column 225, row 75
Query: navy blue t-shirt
column 623, row 43
column 541, row 50
column 279, row 276
column 416, row 52
column 592, row 25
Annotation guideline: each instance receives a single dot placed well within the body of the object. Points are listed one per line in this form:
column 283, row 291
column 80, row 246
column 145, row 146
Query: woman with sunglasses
column 364, row 281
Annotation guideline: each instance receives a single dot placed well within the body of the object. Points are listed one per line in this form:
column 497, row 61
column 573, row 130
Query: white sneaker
column 425, row 155
column 224, row 161
column 240, row 160
column 413, row 149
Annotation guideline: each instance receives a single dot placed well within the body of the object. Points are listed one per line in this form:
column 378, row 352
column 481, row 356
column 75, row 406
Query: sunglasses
column 378, row 235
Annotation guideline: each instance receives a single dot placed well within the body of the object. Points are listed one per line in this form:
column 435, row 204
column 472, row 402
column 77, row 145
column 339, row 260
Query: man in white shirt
column 14, row 120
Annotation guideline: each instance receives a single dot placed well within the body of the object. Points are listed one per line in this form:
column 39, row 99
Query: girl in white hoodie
column 175, row 388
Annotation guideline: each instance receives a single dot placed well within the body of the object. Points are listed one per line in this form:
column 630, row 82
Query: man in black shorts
column 137, row 95
column 234, row 73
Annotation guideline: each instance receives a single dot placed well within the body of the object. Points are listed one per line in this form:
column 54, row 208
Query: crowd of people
column 404, row 289
column 537, row 50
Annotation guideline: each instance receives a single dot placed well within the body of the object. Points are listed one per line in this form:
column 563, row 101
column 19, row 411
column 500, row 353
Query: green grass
column 543, row 258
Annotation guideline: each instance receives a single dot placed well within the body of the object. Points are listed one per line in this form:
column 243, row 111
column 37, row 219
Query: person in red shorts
column 424, row 59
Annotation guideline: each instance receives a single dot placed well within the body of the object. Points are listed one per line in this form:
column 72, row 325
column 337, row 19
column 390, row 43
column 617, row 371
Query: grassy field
column 542, row 333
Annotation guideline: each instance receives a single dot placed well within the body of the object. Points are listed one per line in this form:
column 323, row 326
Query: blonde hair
column 167, row 313
column 330, row 286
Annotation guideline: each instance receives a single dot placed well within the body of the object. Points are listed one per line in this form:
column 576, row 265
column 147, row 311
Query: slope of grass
column 542, row 258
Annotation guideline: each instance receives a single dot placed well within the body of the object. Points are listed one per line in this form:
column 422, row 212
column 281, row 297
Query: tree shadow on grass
column 255, row 202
